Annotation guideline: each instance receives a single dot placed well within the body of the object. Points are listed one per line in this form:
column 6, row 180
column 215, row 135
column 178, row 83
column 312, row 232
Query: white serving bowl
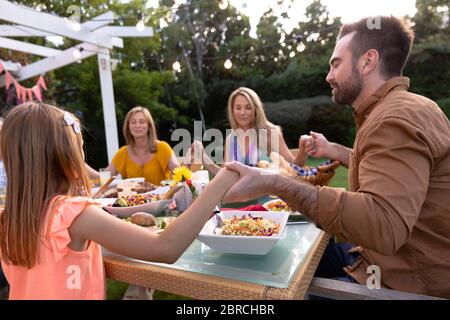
column 155, row 208
column 255, row 245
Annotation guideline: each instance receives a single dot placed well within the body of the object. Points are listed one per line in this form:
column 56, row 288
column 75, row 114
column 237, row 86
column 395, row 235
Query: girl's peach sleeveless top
column 61, row 272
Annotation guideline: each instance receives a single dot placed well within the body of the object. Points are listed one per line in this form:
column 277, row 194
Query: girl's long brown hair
column 43, row 157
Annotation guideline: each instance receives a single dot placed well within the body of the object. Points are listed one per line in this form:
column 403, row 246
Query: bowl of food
column 278, row 205
column 126, row 206
column 245, row 232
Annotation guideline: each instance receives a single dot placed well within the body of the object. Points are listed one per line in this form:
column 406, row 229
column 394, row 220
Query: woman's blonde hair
column 260, row 121
column 43, row 158
column 152, row 137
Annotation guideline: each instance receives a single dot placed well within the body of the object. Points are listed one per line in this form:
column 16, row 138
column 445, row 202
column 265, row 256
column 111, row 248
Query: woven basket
column 323, row 173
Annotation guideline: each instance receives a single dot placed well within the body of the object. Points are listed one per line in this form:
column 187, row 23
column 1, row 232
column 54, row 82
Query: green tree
column 432, row 21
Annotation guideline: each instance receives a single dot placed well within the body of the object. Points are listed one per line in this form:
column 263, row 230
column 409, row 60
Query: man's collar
column 363, row 109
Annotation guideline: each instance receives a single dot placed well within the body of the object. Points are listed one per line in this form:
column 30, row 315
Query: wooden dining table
column 200, row 273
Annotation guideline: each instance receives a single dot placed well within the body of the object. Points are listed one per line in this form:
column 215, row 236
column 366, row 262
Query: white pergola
column 95, row 36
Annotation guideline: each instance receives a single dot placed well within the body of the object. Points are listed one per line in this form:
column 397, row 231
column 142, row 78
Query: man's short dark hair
column 393, row 41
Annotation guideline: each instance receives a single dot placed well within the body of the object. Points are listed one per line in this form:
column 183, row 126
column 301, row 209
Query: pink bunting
column 41, row 82
column 23, row 94
column 30, row 94
column 8, row 79
column 37, row 92
column 18, row 87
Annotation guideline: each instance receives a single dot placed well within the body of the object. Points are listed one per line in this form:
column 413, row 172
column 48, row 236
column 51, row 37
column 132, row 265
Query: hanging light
column 76, row 53
column 223, row 4
column 76, row 26
column 228, row 64
column 300, row 47
column 176, row 66
column 140, row 26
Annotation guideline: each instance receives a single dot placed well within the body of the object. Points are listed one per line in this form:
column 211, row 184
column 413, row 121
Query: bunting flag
column 30, row 94
column 8, row 79
column 41, row 83
column 37, row 93
column 23, row 94
column 18, row 87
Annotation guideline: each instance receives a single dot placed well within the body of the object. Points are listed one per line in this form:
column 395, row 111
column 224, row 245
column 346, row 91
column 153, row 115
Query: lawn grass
column 116, row 289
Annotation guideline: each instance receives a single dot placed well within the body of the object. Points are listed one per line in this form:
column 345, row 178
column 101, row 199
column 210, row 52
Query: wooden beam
column 22, row 31
column 99, row 21
column 48, row 64
column 128, row 31
column 50, row 23
column 12, row 67
column 28, row 47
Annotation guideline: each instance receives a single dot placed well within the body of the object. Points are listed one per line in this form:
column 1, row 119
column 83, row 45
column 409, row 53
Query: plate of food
column 127, row 205
column 113, row 189
column 245, row 232
column 279, row 205
column 149, row 221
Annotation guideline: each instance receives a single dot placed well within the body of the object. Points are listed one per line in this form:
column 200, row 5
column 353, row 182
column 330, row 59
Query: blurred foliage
column 201, row 37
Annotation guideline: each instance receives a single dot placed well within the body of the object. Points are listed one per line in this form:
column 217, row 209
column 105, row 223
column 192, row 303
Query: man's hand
column 316, row 145
column 252, row 183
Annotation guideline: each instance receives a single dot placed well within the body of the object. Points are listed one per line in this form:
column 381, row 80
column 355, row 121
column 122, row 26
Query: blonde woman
column 253, row 137
column 144, row 155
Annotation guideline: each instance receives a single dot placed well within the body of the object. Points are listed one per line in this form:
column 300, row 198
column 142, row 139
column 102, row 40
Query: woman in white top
column 253, row 137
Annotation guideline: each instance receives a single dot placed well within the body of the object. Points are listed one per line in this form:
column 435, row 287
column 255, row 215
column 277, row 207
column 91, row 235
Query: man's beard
column 349, row 90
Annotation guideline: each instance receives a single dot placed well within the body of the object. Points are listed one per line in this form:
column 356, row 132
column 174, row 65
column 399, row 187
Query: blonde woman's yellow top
column 154, row 171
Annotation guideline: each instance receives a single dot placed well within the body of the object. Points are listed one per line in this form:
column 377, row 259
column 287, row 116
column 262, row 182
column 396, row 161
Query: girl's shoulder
column 62, row 213
column 68, row 208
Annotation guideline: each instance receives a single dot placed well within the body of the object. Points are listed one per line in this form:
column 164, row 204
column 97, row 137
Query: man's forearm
column 299, row 196
column 340, row 153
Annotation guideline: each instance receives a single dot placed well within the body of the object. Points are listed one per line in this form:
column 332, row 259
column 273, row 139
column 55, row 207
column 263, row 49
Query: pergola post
column 109, row 110
column 95, row 36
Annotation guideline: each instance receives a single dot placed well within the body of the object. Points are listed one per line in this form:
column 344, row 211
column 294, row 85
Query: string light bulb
column 223, row 4
column 300, row 47
column 76, row 53
column 140, row 26
column 176, row 66
column 228, row 64
column 76, row 26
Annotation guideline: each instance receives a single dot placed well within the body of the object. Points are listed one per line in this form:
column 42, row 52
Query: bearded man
column 395, row 218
